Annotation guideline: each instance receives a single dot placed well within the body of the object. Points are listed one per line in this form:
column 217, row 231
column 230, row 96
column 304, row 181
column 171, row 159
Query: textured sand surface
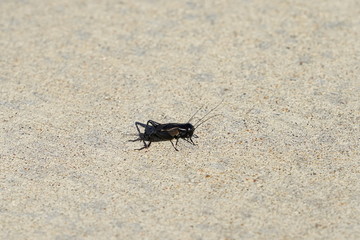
column 281, row 162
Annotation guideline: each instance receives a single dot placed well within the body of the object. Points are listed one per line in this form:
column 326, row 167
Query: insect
column 155, row 132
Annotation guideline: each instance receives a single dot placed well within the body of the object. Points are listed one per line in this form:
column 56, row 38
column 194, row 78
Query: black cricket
column 155, row 132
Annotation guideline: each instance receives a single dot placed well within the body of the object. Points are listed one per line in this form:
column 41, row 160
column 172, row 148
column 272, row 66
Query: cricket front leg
column 192, row 142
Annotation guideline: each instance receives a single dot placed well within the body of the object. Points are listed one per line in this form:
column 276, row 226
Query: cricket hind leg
column 142, row 136
column 153, row 123
column 144, row 147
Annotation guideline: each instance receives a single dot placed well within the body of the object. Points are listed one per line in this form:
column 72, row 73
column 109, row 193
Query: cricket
column 155, row 132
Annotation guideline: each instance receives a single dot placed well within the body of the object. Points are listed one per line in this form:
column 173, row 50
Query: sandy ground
column 280, row 162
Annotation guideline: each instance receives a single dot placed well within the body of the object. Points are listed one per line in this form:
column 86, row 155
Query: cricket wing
column 172, row 131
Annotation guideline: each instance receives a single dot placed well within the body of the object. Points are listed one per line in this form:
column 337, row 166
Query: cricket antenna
column 198, row 123
column 194, row 114
column 207, row 120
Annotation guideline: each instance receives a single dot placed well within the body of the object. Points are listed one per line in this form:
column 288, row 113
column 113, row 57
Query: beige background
column 281, row 162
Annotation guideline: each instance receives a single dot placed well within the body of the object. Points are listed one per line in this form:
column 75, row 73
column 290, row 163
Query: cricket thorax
column 186, row 130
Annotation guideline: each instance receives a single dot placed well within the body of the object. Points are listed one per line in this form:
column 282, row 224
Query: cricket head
column 186, row 130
